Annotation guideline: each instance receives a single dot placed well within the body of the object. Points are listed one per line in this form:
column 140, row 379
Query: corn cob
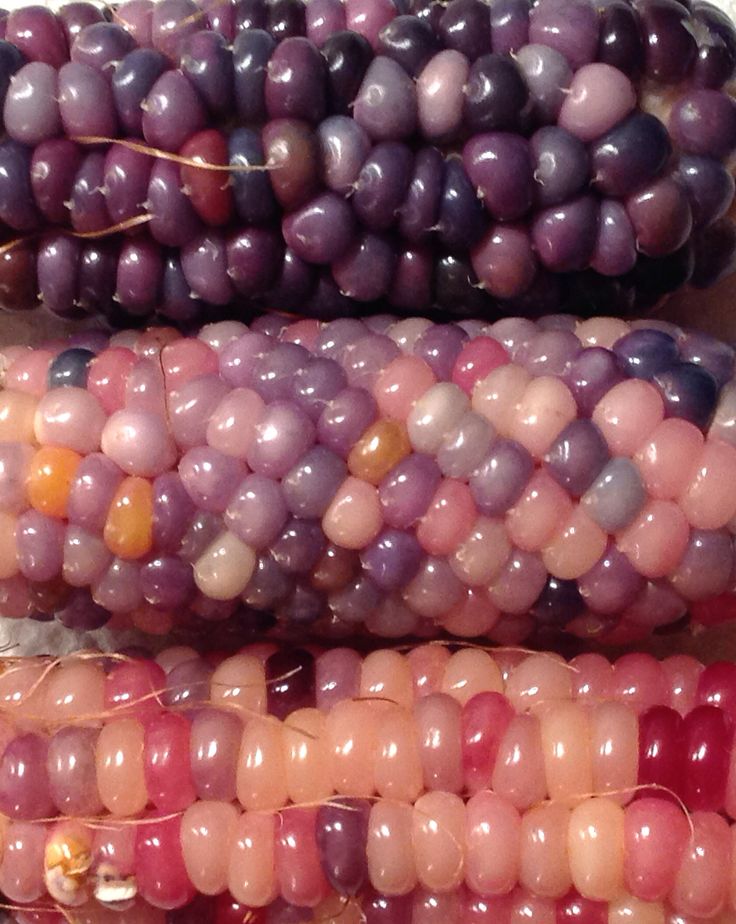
column 400, row 476
column 479, row 160
column 561, row 810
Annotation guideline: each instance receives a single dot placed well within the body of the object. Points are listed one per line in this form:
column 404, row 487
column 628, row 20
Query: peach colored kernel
column 539, row 679
column 595, row 846
column 601, row 332
column 542, row 509
column 493, row 844
column 306, row 756
column 75, row 692
column 17, row 415
column 383, row 445
column 8, row 546
column 121, row 781
column 627, row 910
column 655, row 542
column 438, row 835
column 481, row 556
column 239, row 683
column 401, row 384
column 544, row 866
column 397, row 765
column 546, row 408
column 709, row 499
column 386, row 675
column 449, row 518
column 207, row 830
column 260, row 781
column 473, row 616
column 627, row 414
column 129, row 526
column 351, row 736
column 575, row 548
column 519, row 772
column 428, row 664
column 470, row 671
column 50, row 477
column 251, row 876
column 703, row 879
column 389, row 849
column 354, row 518
column 28, row 372
column 566, row 749
column 232, row 427
column 499, row 394
column 666, row 460
column 614, row 749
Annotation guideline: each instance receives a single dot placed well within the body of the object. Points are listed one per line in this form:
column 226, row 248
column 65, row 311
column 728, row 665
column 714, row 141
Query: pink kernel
column 656, row 540
column 108, row 373
column 401, row 384
column 476, row 359
column 29, row 372
column 449, row 519
column 185, row 359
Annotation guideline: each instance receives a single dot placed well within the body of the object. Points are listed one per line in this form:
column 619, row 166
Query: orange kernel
column 50, row 478
column 129, row 527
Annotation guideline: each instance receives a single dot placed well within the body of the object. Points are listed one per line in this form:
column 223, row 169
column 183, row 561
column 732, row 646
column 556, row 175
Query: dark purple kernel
column 174, row 222
column 221, row 18
column 132, row 81
column 644, row 353
column 254, row 199
column 252, row 51
column 716, row 48
column 273, row 372
column 295, row 283
column 457, row 289
column 709, row 185
column 630, row 155
column 382, row 185
column 53, row 168
column 439, row 347
column 366, row 269
column 561, row 165
column 304, row 606
column 269, row 587
column 75, row 16
column 411, row 287
column 205, row 267
column 102, row 45
column 57, row 267
column 568, row 26
column 177, row 302
column 612, row 584
column 341, row 831
column 250, row 15
column 419, row 211
column 81, row 613
column 17, row 208
column 290, row 682
column 167, row 582
column 127, row 174
column 173, row 511
column 704, row 122
column 466, row 26
column 315, row 385
column 310, row 486
column 11, row 60
column 299, row 547
column 38, row 35
column 576, row 457
column 172, row 21
column 254, row 257
column 564, row 235
column 173, row 111
column 497, row 484
column 296, row 82
column 509, row 25
column 429, row 10
column 286, row 19
column 620, row 42
column 352, row 602
column 499, row 165
column 495, row 95
column 461, row 220
column 386, row 104
column 140, row 270
column 207, row 61
column 322, row 230
column 410, row 41
column 558, row 604
column 591, row 374
column 70, row 367
column 669, row 45
column 689, row 392
column 96, row 276
column 348, row 56
column 654, row 278
column 392, row 560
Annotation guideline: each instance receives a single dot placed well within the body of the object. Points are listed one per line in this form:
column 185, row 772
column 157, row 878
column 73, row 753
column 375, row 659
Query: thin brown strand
column 150, row 151
column 118, row 228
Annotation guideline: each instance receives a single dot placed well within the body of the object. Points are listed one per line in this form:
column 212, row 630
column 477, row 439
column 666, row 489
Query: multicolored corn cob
column 483, row 160
column 401, row 477
column 282, row 774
